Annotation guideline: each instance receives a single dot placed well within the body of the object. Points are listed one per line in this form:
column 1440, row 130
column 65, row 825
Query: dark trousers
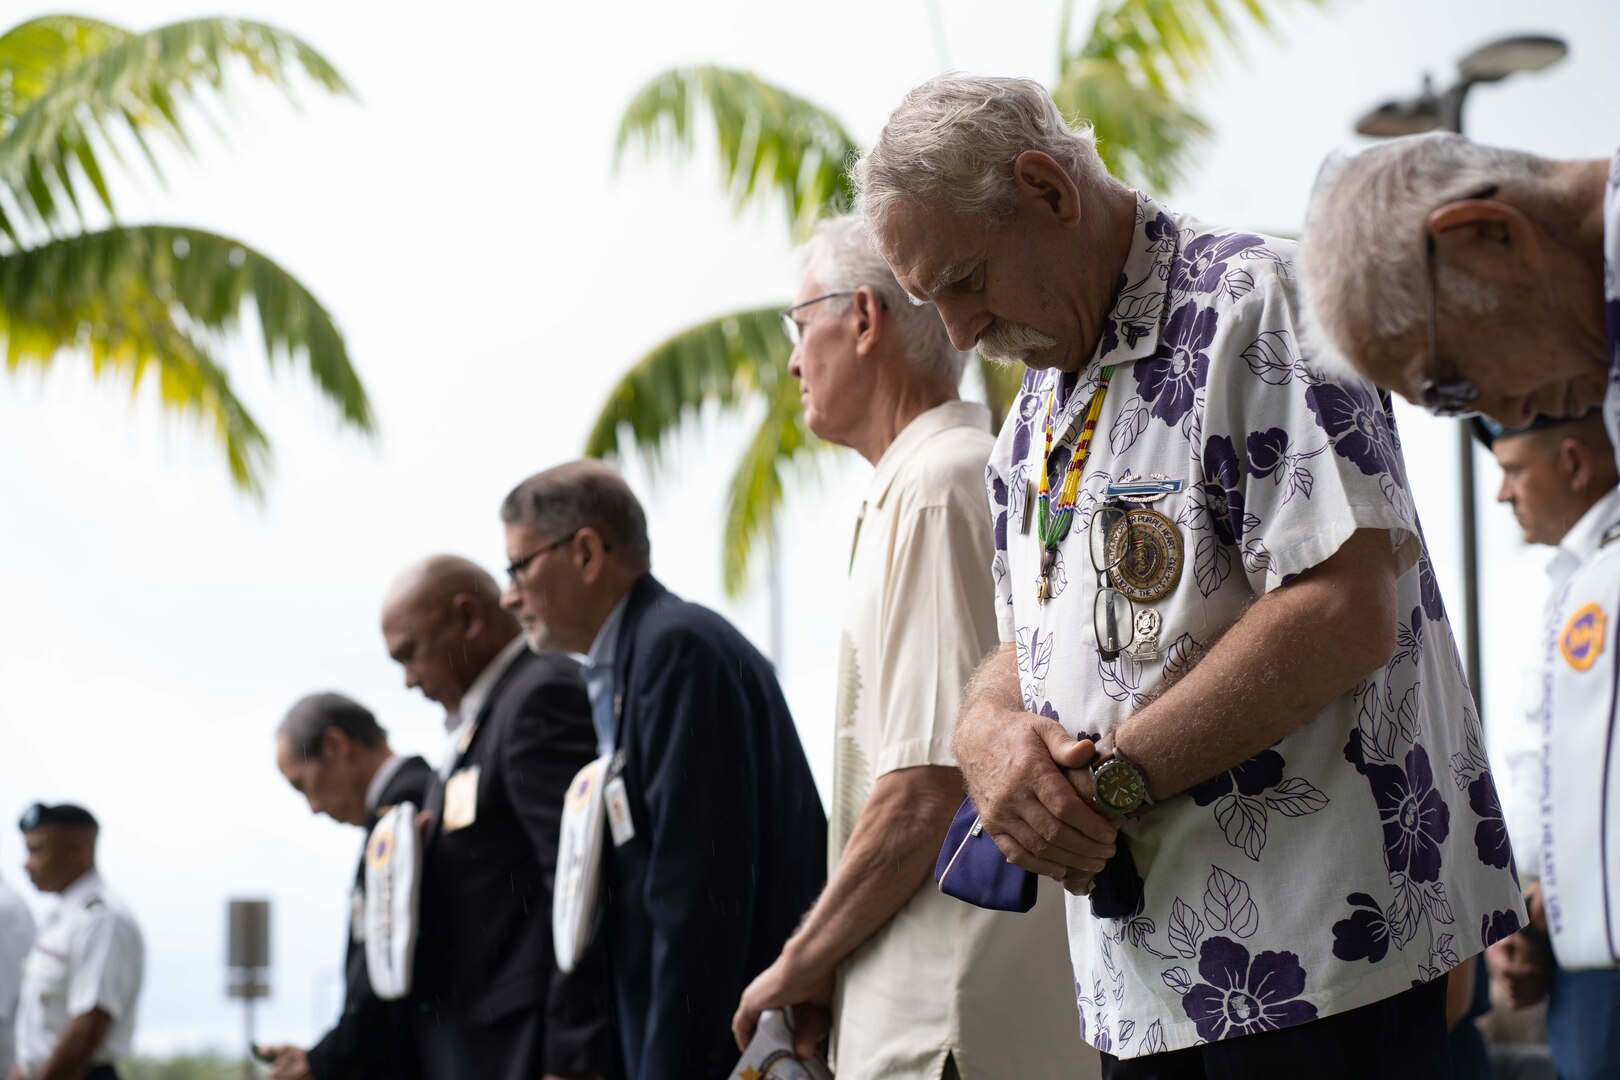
column 1583, row 1024
column 101, row 1072
column 1399, row 1038
column 510, row 1048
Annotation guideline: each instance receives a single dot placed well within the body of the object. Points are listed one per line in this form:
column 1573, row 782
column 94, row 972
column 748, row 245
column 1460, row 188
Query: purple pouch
column 970, row 867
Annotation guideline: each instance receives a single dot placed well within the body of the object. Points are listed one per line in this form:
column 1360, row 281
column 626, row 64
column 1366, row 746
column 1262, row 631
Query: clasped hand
column 1030, row 782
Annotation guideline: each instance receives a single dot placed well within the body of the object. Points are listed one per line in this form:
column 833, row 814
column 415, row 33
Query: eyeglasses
column 795, row 332
column 514, row 569
column 1114, row 616
column 1453, row 396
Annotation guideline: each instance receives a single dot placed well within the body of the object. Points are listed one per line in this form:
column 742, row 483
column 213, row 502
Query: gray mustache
column 1009, row 343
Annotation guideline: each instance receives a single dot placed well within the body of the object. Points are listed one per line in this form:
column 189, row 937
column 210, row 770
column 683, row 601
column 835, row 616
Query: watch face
column 1119, row 786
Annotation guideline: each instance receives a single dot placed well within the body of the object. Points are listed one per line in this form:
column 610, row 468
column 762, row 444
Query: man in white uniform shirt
column 80, row 983
column 1227, row 702
column 920, row 984
column 16, row 939
column 1559, row 476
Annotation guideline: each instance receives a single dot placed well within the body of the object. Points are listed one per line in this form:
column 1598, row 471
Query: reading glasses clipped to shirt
column 1113, row 616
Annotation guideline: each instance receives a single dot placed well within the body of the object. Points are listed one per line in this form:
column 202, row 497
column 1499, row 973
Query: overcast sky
column 493, row 276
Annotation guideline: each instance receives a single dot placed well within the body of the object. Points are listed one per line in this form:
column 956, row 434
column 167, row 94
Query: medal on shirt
column 1130, row 488
column 1145, row 644
column 1146, row 555
column 1054, row 521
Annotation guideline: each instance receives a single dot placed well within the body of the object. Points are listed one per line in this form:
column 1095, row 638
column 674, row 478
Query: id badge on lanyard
column 617, row 801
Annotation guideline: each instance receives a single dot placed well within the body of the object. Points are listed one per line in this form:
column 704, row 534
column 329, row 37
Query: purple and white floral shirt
column 1365, row 851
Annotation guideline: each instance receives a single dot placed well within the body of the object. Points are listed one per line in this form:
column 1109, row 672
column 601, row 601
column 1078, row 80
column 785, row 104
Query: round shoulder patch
column 1581, row 640
column 381, row 849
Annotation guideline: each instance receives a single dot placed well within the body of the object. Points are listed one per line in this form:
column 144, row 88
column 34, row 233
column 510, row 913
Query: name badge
column 461, row 799
column 618, row 812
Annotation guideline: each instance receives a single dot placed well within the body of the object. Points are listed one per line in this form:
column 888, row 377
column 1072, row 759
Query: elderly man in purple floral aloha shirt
column 1270, row 664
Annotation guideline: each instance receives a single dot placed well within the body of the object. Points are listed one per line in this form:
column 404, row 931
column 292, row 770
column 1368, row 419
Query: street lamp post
column 1431, row 111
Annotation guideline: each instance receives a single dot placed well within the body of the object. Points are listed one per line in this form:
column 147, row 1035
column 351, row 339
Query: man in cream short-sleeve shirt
column 77, row 1009
column 919, row 984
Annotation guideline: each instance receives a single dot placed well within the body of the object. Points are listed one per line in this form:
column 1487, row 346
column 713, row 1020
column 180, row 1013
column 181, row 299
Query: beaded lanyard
column 1053, row 524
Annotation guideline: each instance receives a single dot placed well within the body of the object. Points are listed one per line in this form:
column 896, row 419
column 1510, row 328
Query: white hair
column 1363, row 253
column 954, row 139
column 840, row 257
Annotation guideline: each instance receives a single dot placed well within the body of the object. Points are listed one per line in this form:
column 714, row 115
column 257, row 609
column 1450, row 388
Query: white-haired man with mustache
column 1226, row 704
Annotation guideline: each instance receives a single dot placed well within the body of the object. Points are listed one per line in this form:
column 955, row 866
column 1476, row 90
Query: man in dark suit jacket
column 723, row 846
column 488, row 1002
column 332, row 751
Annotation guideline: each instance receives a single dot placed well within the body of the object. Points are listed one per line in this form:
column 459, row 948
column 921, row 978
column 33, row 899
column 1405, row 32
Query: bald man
column 488, row 1001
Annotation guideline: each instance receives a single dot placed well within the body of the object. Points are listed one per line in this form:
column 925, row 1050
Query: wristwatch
column 1119, row 784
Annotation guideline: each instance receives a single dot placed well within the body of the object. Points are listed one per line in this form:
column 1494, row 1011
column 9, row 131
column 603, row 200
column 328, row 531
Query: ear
column 1042, row 182
column 333, row 745
column 1575, row 461
column 872, row 319
column 471, row 614
column 1489, row 240
column 590, row 553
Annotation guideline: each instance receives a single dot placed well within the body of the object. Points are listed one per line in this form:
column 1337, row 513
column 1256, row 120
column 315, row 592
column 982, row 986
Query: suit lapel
column 471, row 738
column 643, row 594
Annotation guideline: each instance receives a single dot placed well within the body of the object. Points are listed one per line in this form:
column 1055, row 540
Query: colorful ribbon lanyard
column 1053, row 524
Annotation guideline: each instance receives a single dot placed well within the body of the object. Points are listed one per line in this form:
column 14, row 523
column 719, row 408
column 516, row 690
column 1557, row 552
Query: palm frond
column 1144, row 134
column 126, row 331
column 1166, row 41
column 35, row 52
column 725, row 360
column 1129, row 74
column 773, row 144
column 85, row 79
column 782, row 443
column 141, row 295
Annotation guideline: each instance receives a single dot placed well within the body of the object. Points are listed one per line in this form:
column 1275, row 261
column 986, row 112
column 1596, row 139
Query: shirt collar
column 605, row 648
column 385, row 773
column 86, row 885
column 944, row 417
column 1135, row 322
column 1583, row 538
column 472, row 702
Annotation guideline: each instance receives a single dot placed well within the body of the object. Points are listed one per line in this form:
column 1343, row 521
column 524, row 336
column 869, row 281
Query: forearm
column 1296, row 650
column 994, row 685
column 82, row 1037
column 889, row 856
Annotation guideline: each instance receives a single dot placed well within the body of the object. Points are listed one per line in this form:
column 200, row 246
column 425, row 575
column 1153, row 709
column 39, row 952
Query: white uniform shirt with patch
column 89, row 956
column 1366, row 850
column 990, row 988
column 1580, row 765
column 1513, row 741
